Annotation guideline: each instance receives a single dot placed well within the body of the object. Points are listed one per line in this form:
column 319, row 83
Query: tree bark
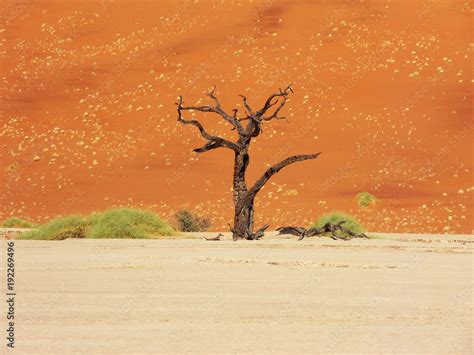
column 243, row 222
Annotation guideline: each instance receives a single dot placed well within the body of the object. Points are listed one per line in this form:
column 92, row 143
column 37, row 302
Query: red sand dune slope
column 382, row 88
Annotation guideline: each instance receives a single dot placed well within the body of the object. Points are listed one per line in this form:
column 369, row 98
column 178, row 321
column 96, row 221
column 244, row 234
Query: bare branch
column 247, row 107
column 254, row 128
column 270, row 103
column 275, row 113
column 214, row 141
column 214, row 97
column 238, row 120
column 216, row 109
column 250, row 195
column 207, row 147
column 216, row 238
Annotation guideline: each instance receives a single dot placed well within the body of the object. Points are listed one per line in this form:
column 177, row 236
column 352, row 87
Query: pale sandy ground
column 402, row 294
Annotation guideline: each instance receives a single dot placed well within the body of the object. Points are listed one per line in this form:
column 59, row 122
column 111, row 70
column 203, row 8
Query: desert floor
column 403, row 294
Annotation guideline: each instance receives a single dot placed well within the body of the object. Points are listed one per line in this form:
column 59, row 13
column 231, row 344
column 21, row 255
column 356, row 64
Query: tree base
column 247, row 235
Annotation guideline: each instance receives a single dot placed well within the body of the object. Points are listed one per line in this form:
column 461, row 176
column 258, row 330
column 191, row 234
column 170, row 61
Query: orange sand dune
column 382, row 88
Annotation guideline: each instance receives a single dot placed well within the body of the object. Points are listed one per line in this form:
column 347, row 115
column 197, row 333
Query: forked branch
column 217, row 109
column 280, row 97
column 214, row 141
column 250, row 195
column 256, row 118
column 246, row 105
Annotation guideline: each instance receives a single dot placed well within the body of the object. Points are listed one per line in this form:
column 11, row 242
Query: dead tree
column 247, row 127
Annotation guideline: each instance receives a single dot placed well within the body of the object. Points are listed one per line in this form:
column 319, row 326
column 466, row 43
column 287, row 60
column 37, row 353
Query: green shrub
column 17, row 222
column 114, row 223
column 335, row 217
column 188, row 222
column 127, row 223
column 59, row 228
column 365, row 199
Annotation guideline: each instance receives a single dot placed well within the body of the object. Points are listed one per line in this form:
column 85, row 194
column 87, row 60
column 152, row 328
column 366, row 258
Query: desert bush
column 365, row 199
column 59, row 228
column 13, row 167
column 17, row 222
column 127, row 223
column 114, row 223
column 189, row 222
column 335, row 217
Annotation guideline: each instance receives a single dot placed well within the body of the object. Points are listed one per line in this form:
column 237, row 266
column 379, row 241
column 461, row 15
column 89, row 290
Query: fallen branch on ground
column 332, row 228
column 217, row 238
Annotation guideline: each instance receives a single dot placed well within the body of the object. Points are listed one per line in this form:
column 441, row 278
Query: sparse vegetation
column 59, row 228
column 17, row 222
column 365, row 199
column 291, row 192
column 336, row 217
column 13, row 167
column 114, row 223
column 127, row 223
column 189, row 222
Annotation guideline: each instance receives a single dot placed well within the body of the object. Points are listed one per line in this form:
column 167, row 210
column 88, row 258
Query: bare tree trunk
column 243, row 221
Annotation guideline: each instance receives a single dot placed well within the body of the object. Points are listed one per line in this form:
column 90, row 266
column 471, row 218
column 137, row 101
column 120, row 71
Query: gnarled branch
column 250, row 195
column 283, row 94
column 254, row 127
column 207, row 147
column 214, row 141
column 246, row 105
column 216, row 109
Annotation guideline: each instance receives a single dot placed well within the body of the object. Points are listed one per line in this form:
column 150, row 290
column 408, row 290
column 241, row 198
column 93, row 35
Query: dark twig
column 217, row 238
